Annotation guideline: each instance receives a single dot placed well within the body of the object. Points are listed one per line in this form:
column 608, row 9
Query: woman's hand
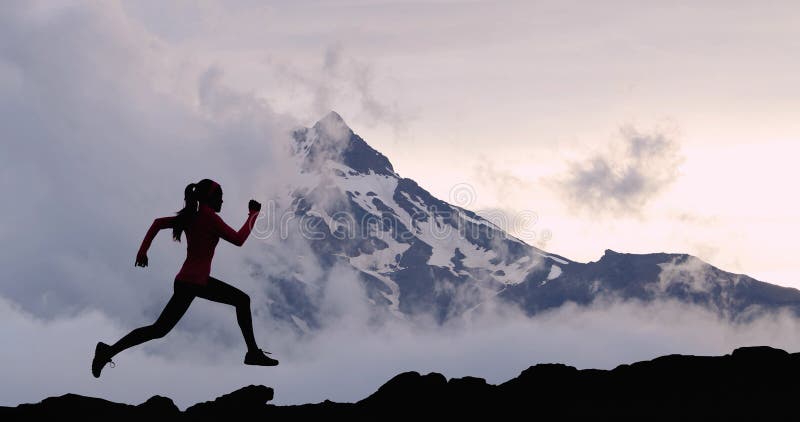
column 254, row 205
column 141, row 259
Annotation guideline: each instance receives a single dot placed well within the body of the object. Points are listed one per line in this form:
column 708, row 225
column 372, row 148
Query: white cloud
column 98, row 141
column 352, row 357
column 692, row 273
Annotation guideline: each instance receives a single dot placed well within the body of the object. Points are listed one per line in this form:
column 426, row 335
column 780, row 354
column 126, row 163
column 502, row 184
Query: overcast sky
column 637, row 128
column 509, row 97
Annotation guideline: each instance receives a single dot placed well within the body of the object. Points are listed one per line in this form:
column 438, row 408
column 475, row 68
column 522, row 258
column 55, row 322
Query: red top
column 202, row 236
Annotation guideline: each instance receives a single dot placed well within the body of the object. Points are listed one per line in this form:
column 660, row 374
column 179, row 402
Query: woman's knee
column 159, row 331
column 243, row 300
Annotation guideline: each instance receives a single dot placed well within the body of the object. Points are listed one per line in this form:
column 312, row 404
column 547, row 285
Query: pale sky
column 503, row 95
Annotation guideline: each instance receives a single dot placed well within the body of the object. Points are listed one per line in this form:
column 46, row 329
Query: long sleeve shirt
column 202, row 236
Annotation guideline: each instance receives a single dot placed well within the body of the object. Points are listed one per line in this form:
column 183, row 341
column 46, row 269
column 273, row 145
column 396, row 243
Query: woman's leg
column 181, row 298
column 219, row 291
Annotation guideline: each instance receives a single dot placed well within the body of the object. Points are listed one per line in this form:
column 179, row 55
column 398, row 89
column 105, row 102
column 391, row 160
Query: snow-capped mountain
column 415, row 253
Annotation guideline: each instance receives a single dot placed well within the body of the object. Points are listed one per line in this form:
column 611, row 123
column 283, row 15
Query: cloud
column 624, row 178
column 52, row 357
column 504, row 182
column 103, row 125
column 693, row 218
column 342, row 81
column 691, row 273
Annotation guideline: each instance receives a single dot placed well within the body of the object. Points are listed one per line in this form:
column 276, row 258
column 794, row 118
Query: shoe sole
column 96, row 353
column 261, row 364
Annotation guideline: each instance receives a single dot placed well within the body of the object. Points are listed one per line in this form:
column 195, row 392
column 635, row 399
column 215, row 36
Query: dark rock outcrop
column 759, row 383
column 248, row 400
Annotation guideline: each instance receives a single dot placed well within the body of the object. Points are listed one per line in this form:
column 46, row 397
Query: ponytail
column 192, row 195
column 186, row 215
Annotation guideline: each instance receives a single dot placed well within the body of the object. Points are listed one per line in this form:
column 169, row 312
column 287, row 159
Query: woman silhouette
column 203, row 229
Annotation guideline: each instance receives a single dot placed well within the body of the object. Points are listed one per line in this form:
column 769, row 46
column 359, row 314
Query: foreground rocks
column 750, row 383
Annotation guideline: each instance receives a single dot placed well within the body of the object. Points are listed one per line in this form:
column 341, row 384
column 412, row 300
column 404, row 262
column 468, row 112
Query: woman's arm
column 237, row 238
column 158, row 224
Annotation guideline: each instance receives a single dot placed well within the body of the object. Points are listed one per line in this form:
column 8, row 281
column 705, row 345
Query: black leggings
column 182, row 296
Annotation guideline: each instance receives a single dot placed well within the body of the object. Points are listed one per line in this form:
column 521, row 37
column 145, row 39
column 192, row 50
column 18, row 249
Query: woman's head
column 206, row 192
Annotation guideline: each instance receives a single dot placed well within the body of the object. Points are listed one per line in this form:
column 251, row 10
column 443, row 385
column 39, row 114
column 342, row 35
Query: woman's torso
column 201, row 240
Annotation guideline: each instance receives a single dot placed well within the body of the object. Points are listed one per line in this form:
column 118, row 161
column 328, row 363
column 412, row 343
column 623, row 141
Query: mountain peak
column 331, row 139
column 332, row 117
column 333, row 128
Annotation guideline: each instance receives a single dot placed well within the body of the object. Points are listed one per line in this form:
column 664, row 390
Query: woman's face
column 216, row 200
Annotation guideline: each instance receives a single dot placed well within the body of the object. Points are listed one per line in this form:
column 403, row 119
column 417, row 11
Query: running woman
column 203, row 228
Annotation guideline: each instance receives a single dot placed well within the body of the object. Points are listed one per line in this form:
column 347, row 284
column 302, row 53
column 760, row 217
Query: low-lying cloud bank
column 351, row 358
